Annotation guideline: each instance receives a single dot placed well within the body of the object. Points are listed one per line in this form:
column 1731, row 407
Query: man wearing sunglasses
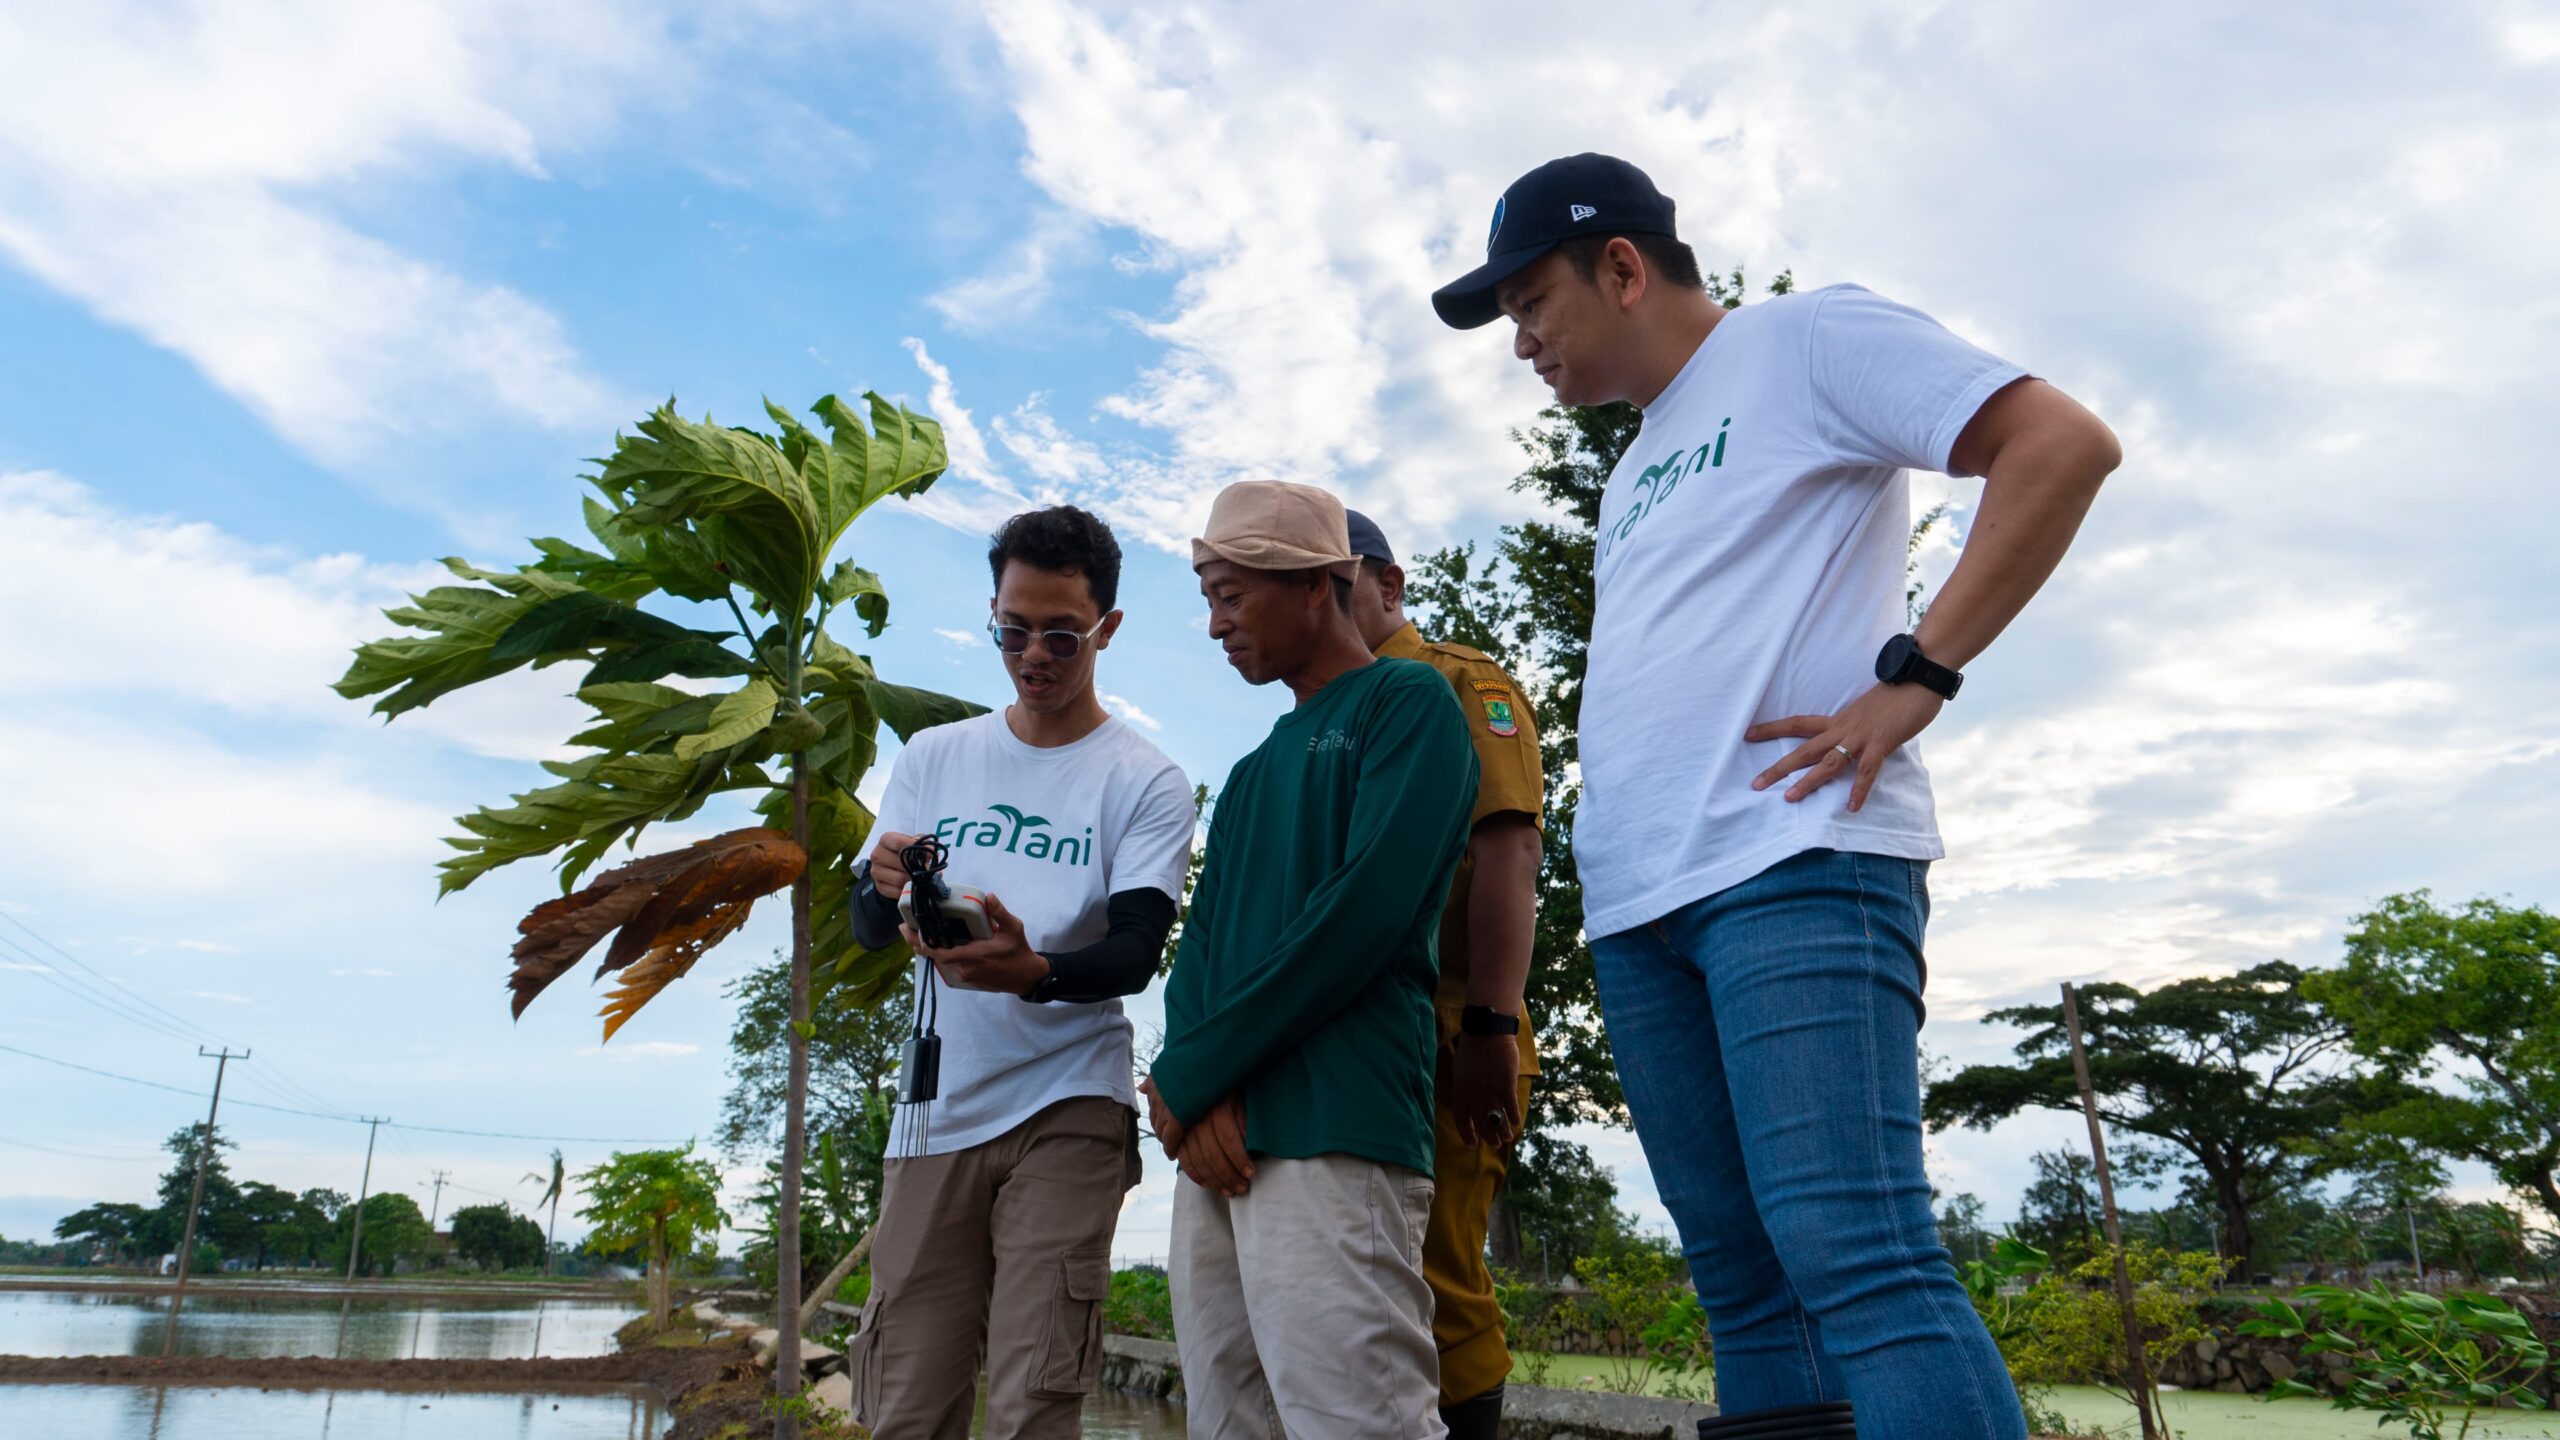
column 1002, row 1191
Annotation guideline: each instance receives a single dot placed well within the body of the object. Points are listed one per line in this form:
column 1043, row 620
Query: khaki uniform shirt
column 1509, row 778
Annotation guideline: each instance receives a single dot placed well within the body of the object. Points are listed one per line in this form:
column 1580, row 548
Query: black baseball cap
column 1584, row 194
column 1367, row 540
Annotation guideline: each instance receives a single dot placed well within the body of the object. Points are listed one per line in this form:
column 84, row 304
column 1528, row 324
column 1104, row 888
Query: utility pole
column 437, row 1203
column 2138, row 1372
column 195, row 1201
column 364, row 1187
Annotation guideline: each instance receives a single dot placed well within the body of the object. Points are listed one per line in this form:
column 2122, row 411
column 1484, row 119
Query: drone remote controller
column 962, row 911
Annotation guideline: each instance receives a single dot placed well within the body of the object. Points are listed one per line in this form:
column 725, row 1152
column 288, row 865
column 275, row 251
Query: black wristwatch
column 1485, row 1020
column 1901, row 663
column 1046, row 989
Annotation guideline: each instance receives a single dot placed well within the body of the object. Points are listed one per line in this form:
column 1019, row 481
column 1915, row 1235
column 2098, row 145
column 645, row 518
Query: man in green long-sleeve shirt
column 1294, row 1086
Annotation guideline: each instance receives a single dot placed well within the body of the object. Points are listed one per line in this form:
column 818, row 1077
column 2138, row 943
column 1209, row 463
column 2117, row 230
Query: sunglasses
column 1061, row 644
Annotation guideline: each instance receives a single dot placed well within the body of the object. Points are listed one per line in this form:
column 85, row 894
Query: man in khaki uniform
column 1481, row 1088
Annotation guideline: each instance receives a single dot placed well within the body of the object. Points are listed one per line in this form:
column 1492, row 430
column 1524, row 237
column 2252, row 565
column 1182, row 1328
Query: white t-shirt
column 1053, row 833
column 1749, row 566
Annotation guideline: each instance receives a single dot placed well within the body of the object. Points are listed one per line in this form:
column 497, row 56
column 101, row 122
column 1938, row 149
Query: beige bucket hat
column 1274, row 525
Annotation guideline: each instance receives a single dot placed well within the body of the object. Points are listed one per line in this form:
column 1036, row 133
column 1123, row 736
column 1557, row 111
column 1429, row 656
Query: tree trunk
column 658, row 1277
column 1502, row 1231
column 795, row 1128
column 827, row 1287
column 2238, row 1241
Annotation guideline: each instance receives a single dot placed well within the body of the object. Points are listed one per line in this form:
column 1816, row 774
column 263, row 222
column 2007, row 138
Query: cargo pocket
column 1071, row 1349
column 862, row 1362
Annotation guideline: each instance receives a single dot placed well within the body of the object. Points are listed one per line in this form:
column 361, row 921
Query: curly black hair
column 1060, row 537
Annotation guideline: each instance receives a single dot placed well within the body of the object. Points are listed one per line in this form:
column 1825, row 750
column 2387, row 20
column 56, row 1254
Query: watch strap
column 1485, row 1020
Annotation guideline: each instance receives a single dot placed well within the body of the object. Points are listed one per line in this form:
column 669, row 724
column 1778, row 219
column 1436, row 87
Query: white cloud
column 1129, row 711
column 964, row 639
column 196, row 613
column 171, row 171
column 642, row 1050
column 1017, row 285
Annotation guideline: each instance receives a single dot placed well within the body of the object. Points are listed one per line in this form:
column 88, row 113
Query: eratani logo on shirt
column 1656, row 483
column 1015, row 832
column 1329, row 741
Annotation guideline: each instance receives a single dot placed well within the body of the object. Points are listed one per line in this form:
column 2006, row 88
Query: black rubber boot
column 1477, row 1419
column 1830, row 1421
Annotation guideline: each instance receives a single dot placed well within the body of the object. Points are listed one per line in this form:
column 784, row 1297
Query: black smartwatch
column 1485, row 1020
column 1901, row 663
column 1046, row 988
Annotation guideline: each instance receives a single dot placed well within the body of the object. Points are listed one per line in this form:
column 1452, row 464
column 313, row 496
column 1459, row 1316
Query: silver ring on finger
column 1843, row 752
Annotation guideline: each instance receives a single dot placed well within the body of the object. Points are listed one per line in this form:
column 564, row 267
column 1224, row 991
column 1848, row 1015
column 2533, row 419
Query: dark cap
column 1367, row 540
column 1583, row 194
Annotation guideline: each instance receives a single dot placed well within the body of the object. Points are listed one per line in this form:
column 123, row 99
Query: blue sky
column 296, row 298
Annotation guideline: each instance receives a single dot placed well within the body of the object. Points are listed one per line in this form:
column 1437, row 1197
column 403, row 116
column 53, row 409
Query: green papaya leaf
column 870, row 598
column 734, row 720
column 740, row 493
column 697, row 654
column 908, row 710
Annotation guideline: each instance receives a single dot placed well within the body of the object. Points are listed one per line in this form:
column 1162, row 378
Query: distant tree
column 301, row 1233
column 2058, row 1214
column 1961, row 1228
column 853, row 1052
column 118, row 1230
column 2471, row 995
column 2232, row 1073
column 495, row 1237
column 664, row 1200
column 266, row 1211
column 221, row 1220
column 395, row 1229
column 556, row 1182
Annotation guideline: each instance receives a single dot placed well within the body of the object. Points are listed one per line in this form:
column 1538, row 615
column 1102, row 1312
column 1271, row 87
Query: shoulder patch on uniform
column 1491, row 687
column 1497, row 714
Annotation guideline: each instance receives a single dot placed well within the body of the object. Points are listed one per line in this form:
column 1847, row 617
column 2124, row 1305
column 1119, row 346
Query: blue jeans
column 1768, row 1037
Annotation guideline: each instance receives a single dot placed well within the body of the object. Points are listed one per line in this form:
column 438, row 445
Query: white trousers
column 1300, row 1306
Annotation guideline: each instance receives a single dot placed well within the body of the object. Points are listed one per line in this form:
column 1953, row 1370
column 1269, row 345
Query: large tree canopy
column 2471, row 995
column 2232, row 1074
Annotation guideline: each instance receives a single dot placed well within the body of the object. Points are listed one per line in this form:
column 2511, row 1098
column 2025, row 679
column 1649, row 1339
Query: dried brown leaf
column 669, row 909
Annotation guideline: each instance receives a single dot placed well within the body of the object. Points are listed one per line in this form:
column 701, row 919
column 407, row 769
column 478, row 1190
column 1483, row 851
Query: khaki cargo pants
column 998, row 1254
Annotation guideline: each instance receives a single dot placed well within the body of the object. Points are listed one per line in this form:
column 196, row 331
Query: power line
column 71, row 985
column 78, row 1154
column 117, row 986
column 172, row 1089
column 547, row 1139
column 349, row 1119
column 126, row 1005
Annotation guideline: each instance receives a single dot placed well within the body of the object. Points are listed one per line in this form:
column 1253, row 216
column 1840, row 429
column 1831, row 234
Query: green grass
column 2208, row 1415
column 2192, row 1414
column 1580, row 1372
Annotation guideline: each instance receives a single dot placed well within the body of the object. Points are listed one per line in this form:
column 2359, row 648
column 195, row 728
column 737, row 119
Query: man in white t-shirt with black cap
column 1756, row 826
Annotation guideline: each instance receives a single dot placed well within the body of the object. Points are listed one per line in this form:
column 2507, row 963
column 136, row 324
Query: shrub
column 1141, row 1304
column 2418, row 1360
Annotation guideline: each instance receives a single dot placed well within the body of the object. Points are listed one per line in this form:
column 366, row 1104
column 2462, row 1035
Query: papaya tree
column 697, row 527
column 664, row 1202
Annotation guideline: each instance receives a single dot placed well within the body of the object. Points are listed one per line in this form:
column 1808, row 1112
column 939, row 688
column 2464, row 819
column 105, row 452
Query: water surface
column 376, row 1327
column 181, row 1412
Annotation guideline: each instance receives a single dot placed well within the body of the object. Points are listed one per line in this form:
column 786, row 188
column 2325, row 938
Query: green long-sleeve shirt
column 1308, row 960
